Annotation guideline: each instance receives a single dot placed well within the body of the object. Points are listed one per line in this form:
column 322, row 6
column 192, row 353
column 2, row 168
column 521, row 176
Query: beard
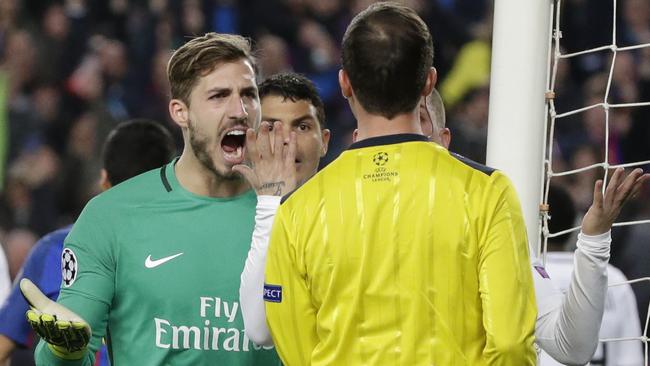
column 200, row 143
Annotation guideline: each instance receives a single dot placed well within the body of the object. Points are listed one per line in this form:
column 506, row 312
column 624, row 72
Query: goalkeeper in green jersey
column 153, row 264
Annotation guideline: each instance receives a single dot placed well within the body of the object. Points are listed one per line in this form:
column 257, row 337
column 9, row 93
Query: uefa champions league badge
column 272, row 293
column 542, row 271
column 382, row 172
column 68, row 267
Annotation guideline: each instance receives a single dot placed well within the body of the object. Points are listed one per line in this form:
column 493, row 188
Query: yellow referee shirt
column 401, row 253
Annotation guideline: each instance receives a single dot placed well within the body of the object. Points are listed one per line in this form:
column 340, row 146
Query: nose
column 286, row 131
column 237, row 108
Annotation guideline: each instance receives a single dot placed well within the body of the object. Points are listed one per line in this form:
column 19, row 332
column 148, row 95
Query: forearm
column 252, row 279
column 569, row 334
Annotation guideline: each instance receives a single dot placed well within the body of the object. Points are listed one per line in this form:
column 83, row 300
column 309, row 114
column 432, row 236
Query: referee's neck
column 372, row 125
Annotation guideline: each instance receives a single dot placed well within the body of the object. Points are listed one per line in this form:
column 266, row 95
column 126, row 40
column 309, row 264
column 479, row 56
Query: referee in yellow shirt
column 399, row 253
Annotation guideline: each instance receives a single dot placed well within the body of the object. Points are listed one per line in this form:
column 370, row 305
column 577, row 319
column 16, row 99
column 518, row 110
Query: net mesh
column 554, row 118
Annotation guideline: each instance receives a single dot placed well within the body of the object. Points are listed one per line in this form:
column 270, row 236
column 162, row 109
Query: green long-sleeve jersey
column 154, row 269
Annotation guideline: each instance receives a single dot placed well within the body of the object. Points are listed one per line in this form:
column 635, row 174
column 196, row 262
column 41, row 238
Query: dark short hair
column 200, row 56
column 294, row 87
column 134, row 147
column 387, row 53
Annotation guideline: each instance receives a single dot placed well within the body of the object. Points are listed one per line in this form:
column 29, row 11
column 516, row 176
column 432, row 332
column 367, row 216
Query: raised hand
column 605, row 208
column 66, row 333
column 272, row 158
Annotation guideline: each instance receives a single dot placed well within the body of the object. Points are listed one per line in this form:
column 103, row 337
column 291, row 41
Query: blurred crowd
column 70, row 70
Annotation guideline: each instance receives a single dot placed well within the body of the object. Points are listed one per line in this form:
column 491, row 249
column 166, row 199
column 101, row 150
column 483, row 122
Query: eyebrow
column 295, row 120
column 249, row 89
column 302, row 118
column 228, row 89
column 269, row 119
column 218, row 90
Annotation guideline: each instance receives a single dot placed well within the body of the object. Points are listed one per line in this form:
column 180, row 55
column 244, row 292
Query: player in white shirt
column 567, row 324
column 620, row 318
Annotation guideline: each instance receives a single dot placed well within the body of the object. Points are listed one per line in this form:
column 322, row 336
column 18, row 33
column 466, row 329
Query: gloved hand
column 66, row 333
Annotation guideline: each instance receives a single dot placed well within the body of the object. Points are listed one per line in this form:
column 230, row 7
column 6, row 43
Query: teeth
column 235, row 155
column 236, row 133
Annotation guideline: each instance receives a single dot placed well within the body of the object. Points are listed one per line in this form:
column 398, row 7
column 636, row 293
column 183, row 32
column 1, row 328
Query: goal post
column 523, row 71
column 519, row 75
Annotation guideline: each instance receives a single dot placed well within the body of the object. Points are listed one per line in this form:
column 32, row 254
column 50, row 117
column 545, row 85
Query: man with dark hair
column 132, row 148
column 398, row 252
column 292, row 99
column 156, row 260
column 388, row 60
column 294, row 87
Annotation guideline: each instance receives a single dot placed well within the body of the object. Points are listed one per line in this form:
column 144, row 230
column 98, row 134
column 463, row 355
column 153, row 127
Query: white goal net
column 605, row 104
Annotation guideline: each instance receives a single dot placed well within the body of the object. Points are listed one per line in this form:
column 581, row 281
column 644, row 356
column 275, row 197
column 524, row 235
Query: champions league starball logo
column 68, row 267
column 381, row 172
column 380, row 159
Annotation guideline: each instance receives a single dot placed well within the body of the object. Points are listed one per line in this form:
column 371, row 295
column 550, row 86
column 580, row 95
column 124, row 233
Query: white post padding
column 517, row 106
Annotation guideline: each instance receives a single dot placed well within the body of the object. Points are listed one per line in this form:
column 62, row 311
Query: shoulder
column 138, row 190
column 143, row 187
column 53, row 239
column 614, row 275
column 50, row 244
column 482, row 178
column 109, row 210
column 472, row 164
column 620, row 294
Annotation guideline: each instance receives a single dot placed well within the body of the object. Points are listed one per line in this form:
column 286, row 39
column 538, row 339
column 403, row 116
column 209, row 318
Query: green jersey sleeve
column 88, row 279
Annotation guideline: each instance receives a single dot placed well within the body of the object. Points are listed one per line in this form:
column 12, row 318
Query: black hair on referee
column 387, row 52
column 134, row 147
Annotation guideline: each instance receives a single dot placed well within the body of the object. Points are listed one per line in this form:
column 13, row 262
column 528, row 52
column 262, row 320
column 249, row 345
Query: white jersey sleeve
column 5, row 282
column 251, row 290
column 567, row 328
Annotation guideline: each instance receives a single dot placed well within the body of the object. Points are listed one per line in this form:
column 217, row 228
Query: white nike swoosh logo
column 149, row 263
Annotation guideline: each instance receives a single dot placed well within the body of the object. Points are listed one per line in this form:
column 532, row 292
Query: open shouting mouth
column 233, row 145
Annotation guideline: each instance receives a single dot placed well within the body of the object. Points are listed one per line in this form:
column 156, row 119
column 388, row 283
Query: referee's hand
column 272, row 158
column 66, row 333
column 605, row 208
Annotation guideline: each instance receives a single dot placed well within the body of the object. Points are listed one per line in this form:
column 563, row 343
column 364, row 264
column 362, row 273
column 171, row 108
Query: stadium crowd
column 71, row 70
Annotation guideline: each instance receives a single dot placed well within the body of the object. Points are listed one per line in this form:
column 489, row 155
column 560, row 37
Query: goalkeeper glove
column 65, row 332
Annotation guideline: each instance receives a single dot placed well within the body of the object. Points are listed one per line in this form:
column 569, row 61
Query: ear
column 432, row 78
column 344, row 83
column 179, row 112
column 104, row 183
column 445, row 137
column 355, row 135
column 325, row 136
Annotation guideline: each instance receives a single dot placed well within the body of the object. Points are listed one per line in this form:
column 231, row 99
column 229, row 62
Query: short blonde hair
column 200, row 56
